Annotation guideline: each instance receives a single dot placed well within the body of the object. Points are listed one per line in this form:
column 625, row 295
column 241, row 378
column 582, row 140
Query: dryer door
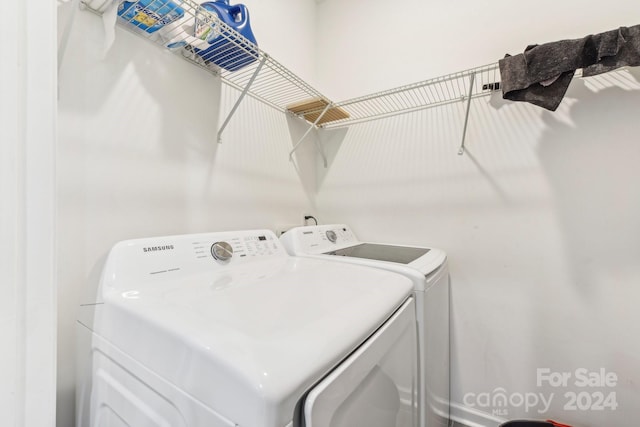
column 377, row 385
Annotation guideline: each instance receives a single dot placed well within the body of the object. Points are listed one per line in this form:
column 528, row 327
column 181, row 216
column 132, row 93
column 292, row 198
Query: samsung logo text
column 158, row 248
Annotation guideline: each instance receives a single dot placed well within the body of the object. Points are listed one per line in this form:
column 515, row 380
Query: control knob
column 331, row 235
column 222, row 251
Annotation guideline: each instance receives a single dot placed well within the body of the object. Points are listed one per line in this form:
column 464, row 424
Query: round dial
column 222, row 251
column 331, row 235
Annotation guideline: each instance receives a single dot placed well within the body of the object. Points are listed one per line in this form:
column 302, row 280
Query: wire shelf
column 236, row 60
column 434, row 92
column 242, row 65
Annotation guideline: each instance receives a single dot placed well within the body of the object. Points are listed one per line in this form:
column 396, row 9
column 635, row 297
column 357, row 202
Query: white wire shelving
column 417, row 96
column 244, row 66
column 462, row 86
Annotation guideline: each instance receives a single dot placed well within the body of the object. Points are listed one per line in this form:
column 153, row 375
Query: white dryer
column 427, row 268
column 227, row 330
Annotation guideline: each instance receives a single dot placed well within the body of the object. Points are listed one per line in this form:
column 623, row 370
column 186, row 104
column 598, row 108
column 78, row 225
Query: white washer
column 227, row 330
column 427, row 268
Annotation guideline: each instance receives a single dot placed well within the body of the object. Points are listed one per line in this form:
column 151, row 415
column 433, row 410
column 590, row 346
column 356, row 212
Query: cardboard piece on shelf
column 310, row 109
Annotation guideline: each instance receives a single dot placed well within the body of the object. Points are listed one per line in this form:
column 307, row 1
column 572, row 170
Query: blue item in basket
column 150, row 15
column 225, row 48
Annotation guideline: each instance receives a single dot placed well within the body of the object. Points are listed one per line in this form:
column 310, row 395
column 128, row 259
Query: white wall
column 11, row 327
column 138, row 155
column 540, row 217
column 286, row 30
column 27, row 259
column 365, row 46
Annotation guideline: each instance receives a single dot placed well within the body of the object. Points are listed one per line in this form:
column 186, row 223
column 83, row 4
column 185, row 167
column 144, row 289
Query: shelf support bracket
column 318, row 147
column 241, row 97
column 466, row 117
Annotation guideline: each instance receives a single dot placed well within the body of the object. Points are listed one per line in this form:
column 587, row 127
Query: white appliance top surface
column 251, row 332
column 380, row 252
column 339, row 243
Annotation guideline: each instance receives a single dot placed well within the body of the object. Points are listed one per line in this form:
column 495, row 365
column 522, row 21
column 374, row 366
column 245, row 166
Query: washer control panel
column 317, row 239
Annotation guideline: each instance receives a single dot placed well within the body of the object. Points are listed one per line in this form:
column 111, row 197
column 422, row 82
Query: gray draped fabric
column 541, row 75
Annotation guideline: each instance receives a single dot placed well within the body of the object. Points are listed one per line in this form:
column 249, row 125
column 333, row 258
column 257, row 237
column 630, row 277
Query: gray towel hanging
column 541, row 75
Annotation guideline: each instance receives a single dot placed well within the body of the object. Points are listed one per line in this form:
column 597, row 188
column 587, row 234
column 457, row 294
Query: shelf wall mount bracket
column 313, row 126
column 241, row 97
column 466, row 117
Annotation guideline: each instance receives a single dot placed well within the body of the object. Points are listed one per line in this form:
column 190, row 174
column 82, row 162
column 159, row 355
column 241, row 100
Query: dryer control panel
column 175, row 256
column 235, row 246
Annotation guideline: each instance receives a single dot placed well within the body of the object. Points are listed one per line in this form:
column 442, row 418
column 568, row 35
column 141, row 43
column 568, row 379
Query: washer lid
column 379, row 252
column 249, row 341
column 414, row 261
